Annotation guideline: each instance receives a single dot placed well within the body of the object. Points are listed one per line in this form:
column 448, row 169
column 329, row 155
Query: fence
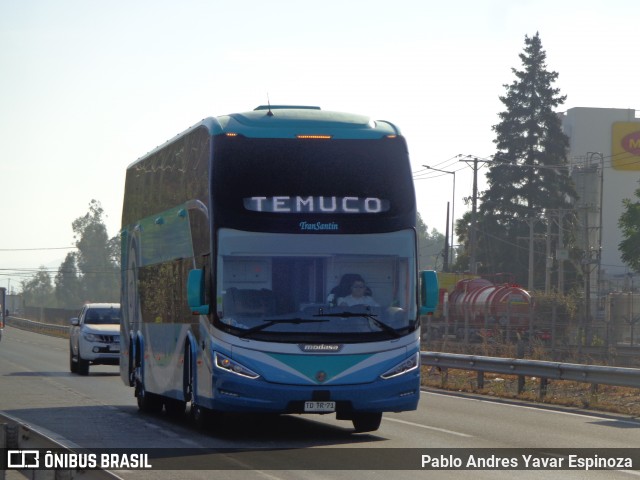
column 24, row 440
column 39, row 327
column 545, row 371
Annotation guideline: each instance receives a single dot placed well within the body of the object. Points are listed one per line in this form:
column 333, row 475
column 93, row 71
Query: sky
column 87, row 87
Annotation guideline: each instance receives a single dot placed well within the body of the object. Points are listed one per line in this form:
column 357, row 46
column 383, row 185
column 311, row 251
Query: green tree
column 528, row 177
column 430, row 246
column 462, row 225
column 629, row 224
column 38, row 291
column 97, row 257
column 68, row 286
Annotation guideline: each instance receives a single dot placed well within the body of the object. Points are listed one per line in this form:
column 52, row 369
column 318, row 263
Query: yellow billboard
column 625, row 146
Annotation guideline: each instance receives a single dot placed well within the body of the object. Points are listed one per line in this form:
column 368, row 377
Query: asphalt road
column 99, row 411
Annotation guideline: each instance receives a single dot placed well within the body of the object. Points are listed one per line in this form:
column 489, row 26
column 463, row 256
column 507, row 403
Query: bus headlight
column 403, row 367
column 229, row 365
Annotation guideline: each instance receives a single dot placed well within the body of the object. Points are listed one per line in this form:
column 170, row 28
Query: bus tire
column 202, row 417
column 187, row 375
column 148, row 402
column 175, row 408
column 132, row 306
column 132, row 366
column 366, row 421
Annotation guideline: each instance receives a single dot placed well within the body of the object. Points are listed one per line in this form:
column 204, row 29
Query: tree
column 462, row 226
column 430, row 246
column 38, row 292
column 68, row 285
column 89, row 274
column 629, row 224
column 528, row 177
column 97, row 257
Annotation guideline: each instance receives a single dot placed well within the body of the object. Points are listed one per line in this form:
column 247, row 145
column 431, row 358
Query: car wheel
column 73, row 365
column 83, row 365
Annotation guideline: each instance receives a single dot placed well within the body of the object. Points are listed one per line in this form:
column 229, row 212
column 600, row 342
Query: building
column 604, row 157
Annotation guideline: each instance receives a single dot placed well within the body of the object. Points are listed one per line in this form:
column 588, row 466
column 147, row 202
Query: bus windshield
column 347, row 288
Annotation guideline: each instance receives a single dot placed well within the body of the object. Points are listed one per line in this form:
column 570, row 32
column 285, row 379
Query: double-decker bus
column 269, row 265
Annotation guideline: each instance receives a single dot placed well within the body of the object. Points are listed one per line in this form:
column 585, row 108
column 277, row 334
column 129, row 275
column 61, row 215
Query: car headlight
column 403, row 367
column 231, row 366
column 91, row 337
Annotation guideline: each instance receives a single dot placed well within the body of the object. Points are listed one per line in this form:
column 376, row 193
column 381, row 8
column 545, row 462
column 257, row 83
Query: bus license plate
column 319, row 406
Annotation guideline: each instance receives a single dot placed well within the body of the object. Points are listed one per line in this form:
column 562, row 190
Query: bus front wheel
column 366, row 421
column 202, row 417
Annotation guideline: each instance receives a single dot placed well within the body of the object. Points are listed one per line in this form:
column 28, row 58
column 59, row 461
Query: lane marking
column 547, row 408
column 419, row 425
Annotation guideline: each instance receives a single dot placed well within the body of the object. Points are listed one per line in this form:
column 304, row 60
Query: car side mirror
column 75, row 321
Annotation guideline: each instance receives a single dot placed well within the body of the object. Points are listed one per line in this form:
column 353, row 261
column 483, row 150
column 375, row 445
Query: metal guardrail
column 593, row 374
column 38, row 327
column 15, row 435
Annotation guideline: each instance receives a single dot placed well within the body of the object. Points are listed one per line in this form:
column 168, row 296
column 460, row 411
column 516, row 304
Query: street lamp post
column 453, row 207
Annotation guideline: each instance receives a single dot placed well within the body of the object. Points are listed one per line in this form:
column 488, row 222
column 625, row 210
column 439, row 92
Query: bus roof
column 286, row 121
column 291, row 121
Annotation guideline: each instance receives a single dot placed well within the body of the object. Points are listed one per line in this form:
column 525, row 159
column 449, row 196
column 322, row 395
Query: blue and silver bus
column 269, row 266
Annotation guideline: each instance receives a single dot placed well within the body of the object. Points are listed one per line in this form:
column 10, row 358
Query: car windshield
column 341, row 287
column 102, row 316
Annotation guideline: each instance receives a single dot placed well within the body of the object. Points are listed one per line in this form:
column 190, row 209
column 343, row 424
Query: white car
column 94, row 337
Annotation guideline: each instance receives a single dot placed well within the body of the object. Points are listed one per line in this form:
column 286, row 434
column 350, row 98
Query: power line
column 429, row 173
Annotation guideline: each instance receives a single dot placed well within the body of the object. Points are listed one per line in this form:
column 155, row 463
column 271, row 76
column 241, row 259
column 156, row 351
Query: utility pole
column 474, row 208
column 453, row 219
column 562, row 254
column 473, row 238
column 549, row 262
column 445, row 264
column 531, row 222
column 531, row 239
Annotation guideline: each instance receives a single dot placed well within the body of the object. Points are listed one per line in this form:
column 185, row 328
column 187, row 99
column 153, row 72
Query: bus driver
column 357, row 296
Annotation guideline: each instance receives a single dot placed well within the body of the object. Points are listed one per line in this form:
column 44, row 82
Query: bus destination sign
column 313, row 204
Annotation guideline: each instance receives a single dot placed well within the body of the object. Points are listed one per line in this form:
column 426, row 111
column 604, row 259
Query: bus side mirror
column 195, row 292
column 428, row 291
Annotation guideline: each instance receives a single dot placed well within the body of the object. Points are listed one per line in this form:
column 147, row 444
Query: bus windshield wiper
column 269, row 323
column 369, row 316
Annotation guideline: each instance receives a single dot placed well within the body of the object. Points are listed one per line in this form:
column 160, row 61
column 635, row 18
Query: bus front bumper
column 233, row 393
